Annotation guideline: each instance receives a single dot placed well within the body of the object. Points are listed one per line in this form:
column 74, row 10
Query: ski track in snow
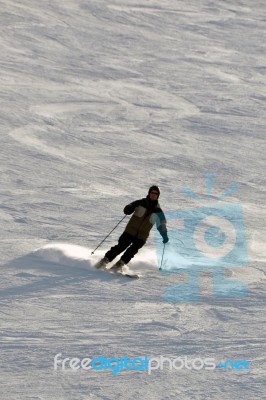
column 99, row 101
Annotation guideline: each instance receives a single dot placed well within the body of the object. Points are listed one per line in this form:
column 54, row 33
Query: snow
column 101, row 99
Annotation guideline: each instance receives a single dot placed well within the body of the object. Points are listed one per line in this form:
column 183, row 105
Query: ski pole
column 109, row 234
column 162, row 258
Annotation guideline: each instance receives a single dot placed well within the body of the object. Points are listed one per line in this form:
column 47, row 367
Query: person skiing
column 147, row 212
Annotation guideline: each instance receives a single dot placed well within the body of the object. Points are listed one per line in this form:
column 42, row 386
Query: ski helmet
column 155, row 188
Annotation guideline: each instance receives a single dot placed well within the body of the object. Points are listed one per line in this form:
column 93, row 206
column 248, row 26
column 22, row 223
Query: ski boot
column 118, row 266
column 102, row 263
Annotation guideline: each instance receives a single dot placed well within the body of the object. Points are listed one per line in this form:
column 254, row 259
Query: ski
column 127, row 275
column 113, row 272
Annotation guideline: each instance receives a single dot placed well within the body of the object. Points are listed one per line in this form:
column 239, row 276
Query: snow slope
column 99, row 100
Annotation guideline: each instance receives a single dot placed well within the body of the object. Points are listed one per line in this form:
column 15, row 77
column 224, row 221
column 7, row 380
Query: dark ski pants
column 126, row 241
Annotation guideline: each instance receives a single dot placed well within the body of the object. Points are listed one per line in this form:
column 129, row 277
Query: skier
column 147, row 212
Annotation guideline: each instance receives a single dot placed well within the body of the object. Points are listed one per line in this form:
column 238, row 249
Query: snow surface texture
column 101, row 99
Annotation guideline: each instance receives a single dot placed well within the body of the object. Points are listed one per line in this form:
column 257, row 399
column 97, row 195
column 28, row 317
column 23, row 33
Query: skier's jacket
column 147, row 212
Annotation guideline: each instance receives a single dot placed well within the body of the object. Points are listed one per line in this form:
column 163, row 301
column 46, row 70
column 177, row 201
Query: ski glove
column 129, row 209
column 165, row 238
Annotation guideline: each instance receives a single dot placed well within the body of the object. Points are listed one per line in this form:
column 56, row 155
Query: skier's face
column 154, row 195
